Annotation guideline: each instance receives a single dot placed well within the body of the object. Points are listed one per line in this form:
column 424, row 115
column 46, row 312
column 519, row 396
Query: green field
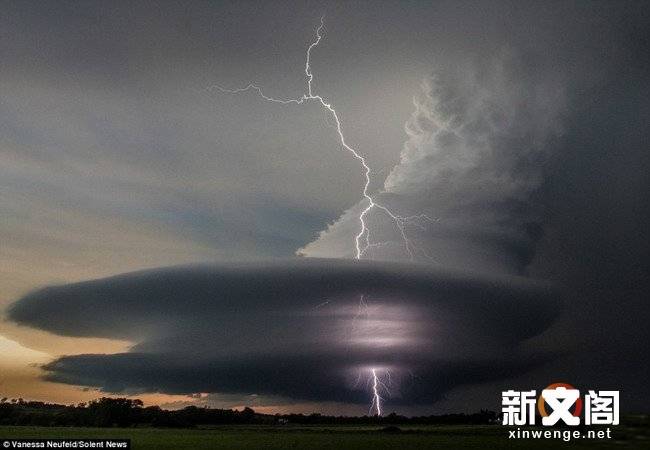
column 326, row 437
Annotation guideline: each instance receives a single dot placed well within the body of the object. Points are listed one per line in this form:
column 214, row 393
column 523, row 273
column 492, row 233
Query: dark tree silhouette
column 124, row 412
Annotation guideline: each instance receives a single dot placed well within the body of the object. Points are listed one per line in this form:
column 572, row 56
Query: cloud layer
column 295, row 329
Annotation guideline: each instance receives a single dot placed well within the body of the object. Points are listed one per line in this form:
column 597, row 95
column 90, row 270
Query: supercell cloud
column 294, row 329
column 528, row 147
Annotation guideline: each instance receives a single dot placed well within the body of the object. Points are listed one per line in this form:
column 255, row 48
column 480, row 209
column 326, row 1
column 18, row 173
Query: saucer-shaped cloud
column 306, row 329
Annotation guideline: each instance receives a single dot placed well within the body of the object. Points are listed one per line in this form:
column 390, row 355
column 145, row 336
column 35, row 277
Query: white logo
column 518, row 407
column 601, row 408
column 560, row 402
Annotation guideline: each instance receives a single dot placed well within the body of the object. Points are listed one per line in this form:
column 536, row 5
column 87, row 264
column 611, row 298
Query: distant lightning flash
column 362, row 241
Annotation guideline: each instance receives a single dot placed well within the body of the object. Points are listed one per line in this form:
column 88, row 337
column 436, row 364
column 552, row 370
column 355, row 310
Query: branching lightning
column 362, row 241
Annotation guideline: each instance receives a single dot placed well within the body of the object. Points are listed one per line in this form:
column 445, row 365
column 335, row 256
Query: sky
column 165, row 239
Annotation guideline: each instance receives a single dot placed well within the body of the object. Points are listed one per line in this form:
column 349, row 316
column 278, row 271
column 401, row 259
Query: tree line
column 124, row 412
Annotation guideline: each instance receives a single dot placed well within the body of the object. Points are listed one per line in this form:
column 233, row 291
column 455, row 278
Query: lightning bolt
column 362, row 241
column 376, row 398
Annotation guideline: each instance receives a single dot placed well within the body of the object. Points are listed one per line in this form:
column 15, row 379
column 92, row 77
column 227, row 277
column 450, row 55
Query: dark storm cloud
column 267, row 328
column 317, row 377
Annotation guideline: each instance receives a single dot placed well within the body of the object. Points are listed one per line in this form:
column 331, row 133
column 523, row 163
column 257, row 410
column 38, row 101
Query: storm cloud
column 296, row 328
column 526, row 144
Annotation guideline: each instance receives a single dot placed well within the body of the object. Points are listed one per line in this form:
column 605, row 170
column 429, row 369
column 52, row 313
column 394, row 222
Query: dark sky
column 519, row 128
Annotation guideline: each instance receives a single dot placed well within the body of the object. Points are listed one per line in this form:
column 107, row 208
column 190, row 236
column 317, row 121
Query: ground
column 327, row 437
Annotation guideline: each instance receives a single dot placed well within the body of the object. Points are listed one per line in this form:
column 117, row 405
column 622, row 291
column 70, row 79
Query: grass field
column 326, row 437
